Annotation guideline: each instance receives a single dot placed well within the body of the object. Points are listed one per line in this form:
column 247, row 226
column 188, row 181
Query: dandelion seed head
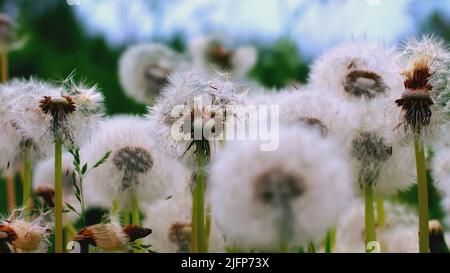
column 191, row 114
column 144, row 70
column 424, row 102
column 136, row 163
column 251, row 191
column 132, row 161
column 172, row 233
column 356, row 71
column 210, row 54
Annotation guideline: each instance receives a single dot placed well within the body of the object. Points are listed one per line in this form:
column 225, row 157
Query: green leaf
column 72, row 209
column 84, row 169
column 102, row 160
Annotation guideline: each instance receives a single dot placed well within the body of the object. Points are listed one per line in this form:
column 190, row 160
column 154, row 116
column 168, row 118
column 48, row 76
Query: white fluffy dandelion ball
column 193, row 110
column 357, row 70
column 305, row 183
column 136, row 164
column 144, row 70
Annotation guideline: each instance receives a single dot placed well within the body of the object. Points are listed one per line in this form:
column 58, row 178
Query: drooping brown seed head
column 135, row 232
column 316, row 124
column 47, row 193
column 276, row 187
column 220, row 56
column 11, row 235
column 416, row 101
column 132, row 161
column 361, row 83
column 180, row 234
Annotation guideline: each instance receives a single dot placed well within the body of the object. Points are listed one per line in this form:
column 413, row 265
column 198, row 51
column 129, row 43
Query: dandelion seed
column 262, row 198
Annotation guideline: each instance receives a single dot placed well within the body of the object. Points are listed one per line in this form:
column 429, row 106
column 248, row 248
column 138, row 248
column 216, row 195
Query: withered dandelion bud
column 59, row 108
column 416, row 101
column 47, row 193
column 110, row 237
column 180, row 235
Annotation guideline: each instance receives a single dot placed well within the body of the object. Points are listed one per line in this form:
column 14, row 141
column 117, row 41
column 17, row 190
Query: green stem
column 194, row 220
column 381, row 215
column 126, row 217
column 134, row 210
column 208, row 225
column 200, row 204
column 58, row 198
column 424, row 244
column 115, row 208
column 311, row 247
column 329, row 241
column 370, row 232
column 27, row 180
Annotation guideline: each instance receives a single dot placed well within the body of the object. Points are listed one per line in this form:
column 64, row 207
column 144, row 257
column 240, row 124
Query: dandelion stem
column 27, row 180
column 134, row 209
column 58, row 198
column 115, row 209
column 71, row 232
column 381, row 216
column 4, row 65
column 329, row 241
column 126, row 217
column 194, row 221
column 424, row 244
column 208, row 225
column 370, row 232
column 311, row 247
column 199, row 197
column 10, row 192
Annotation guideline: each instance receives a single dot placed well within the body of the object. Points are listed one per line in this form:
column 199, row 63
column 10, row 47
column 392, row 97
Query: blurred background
column 88, row 36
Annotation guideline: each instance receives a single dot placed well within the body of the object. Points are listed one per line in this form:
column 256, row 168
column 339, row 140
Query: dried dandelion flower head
column 378, row 157
column 399, row 234
column 191, row 114
column 357, row 71
column 144, row 70
column 304, row 184
column 7, row 32
column 111, row 237
column 210, row 54
column 425, row 99
column 172, row 233
column 26, row 235
column 136, row 165
column 38, row 113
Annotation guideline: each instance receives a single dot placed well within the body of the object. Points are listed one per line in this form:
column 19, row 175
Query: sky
column 314, row 25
